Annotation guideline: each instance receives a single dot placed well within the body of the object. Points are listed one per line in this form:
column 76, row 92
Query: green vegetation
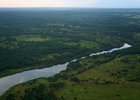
column 110, row 76
column 31, row 38
column 35, row 39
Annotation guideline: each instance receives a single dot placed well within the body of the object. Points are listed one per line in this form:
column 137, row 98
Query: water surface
column 12, row 80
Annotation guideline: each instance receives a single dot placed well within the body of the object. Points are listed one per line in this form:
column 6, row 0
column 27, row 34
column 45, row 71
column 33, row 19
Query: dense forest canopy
column 31, row 38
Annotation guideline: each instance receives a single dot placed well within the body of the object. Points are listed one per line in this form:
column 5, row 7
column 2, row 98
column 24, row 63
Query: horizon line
column 81, row 7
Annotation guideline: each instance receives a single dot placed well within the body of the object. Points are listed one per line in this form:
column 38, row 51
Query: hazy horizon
column 71, row 3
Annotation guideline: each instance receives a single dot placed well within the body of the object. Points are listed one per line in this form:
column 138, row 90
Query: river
column 15, row 79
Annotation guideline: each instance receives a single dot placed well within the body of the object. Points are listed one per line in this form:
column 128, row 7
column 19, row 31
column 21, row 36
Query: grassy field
column 38, row 39
column 105, row 77
column 32, row 39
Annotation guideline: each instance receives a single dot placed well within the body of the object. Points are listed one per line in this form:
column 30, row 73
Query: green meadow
column 40, row 39
column 110, row 76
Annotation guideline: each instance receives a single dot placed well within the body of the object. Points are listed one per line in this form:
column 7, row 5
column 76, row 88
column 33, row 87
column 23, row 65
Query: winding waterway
column 12, row 80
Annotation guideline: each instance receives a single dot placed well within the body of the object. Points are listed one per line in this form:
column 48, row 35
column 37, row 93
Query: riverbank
column 9, row 81
column 61, row 60
column 114, row 76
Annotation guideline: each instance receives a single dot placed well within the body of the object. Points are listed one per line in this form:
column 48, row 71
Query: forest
column 31, row 39
column 36, row 39
column 114, row 76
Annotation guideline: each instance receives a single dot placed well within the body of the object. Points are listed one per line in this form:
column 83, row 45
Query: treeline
column 104, row 28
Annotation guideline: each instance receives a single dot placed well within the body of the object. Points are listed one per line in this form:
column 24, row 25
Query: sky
column 72, row 3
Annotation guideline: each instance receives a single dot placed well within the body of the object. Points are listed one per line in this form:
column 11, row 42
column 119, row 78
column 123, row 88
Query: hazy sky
column 72, row 3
